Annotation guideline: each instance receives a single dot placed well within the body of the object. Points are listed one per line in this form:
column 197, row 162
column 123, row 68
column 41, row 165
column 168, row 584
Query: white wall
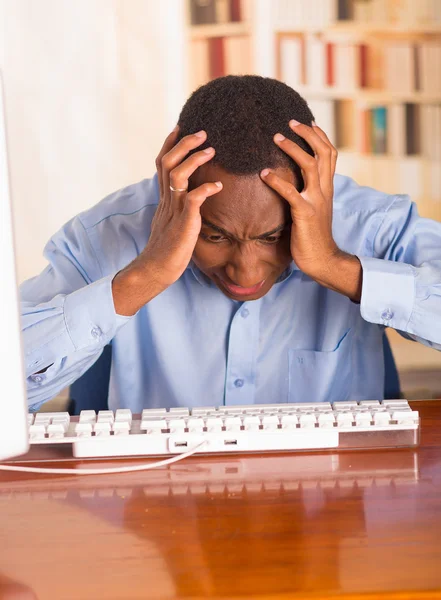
column 92, row 87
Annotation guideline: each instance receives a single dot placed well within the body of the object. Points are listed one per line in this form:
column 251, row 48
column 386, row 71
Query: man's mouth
column 238, row 290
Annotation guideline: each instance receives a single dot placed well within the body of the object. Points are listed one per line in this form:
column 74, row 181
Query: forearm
column 342, row 273
column 135, row 286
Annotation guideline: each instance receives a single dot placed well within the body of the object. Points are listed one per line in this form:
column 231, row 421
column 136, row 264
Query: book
column 396, row 130
column 400, row 79
column 235, row 10
column 202, row 12
column 291, row 61
column 199, row 68
column 223, row 14
column 412, row 120
column 379, row 131
column 216, row 57
column 330, row 58
column 345, row 10
column 324, row 114
column 315, row 62
column 345, row 122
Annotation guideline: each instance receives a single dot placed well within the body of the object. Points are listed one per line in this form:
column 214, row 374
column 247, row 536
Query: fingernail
column 314, row 124
column 265, row 172
column 200, row 134
column 208, row 150
column 218, row 183
column 294, row 123
column 279, row 137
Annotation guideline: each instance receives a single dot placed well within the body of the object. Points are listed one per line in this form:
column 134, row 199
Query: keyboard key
column 87, row 416
column 214, row 424
column 195, row 424
column 123, row 414
column 176, row 425
column 289, row 421
column 363, row 419
column 30, row 419
column 147, row 413
column 105, row 416
column 37, row 431
column 307, row 420
column 153, row 425
column 121, row 428
column 232, row 423
column 179, row 411
column 344, row 419
column 83, row 429
column 407, row 417
column 203, row 410
column 55, row 430
column 381, row 419
column 326, row 419
column 251, row 422
column 270, row 422
column 102, row 428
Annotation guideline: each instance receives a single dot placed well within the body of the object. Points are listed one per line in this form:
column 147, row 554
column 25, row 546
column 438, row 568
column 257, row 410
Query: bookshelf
column 370, row 71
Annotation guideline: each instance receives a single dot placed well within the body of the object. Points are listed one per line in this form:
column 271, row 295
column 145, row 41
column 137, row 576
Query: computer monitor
column 13, row 409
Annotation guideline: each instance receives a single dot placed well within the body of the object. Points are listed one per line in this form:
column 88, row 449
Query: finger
column 176, row 155
column 323, row 154
column 334, row 151
column 197, row 197
column 170, row 141
column 180, row 175
column 307, row 163
column 299, row 206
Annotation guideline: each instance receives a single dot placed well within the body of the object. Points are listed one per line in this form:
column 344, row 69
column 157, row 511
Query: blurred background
column 93, row 87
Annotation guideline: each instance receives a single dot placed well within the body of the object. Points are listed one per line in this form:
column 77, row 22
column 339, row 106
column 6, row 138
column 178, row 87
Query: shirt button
column 387, row 314
column 96, row 332
column 37, row 378
column 244, row 313
column 239, row 383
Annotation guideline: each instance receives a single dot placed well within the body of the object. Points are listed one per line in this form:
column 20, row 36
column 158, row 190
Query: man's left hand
column 313, row 248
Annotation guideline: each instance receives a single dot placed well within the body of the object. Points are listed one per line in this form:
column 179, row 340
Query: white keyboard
column 251, row 428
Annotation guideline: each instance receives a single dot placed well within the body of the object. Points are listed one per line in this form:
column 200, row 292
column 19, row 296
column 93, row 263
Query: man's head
column 244, row 244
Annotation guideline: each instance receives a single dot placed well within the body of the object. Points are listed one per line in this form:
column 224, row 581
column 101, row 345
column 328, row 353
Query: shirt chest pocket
column 321, row 376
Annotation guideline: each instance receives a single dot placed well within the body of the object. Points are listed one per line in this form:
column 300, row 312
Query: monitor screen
column 13, row 409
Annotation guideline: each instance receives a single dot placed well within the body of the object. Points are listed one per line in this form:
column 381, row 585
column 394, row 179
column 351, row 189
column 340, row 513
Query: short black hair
column 241, row 114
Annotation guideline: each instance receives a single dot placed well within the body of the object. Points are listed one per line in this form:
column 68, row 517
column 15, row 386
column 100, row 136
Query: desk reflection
column 210, row 517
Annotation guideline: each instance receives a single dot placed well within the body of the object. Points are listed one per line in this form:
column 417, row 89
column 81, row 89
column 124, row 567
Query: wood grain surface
column 364, row 524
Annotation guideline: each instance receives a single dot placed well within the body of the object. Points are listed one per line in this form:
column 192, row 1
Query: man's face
column 244, row 244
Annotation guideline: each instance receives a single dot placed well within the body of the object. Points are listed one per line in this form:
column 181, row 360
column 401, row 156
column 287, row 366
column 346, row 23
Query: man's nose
column 244, row 267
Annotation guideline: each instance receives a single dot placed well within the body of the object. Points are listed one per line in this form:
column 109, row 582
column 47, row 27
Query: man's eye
column 272, row 239
column 215, row 239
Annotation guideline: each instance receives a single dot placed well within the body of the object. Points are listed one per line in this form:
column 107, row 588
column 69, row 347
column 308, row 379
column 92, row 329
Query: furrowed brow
column 230, row 235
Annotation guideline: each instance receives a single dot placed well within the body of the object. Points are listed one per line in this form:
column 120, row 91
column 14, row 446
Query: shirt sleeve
column 68, row 315
column 402, row 281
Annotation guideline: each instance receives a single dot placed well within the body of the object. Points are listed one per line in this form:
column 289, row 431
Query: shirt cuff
column 90, row 316
column 388, row 292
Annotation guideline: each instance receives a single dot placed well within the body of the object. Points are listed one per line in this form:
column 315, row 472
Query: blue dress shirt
column 193, row 346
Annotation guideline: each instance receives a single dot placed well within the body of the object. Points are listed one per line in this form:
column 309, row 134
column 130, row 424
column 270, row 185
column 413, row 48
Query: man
column 243, row 272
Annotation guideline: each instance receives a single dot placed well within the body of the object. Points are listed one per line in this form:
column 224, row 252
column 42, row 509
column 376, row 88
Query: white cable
column 143, row 467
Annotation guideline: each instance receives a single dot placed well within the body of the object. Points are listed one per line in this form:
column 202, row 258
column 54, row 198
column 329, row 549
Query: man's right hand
column 175, row 226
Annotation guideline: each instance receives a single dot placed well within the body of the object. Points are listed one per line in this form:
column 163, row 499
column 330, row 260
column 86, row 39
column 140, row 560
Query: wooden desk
column 351, row 524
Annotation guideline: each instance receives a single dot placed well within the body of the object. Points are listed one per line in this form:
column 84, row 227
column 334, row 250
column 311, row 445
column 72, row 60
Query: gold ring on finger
column 173, row 189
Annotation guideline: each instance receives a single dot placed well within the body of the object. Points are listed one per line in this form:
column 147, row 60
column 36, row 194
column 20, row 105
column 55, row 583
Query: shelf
column 342, row 152
column 219, row 30
column 354, row 28
column 368, row 96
